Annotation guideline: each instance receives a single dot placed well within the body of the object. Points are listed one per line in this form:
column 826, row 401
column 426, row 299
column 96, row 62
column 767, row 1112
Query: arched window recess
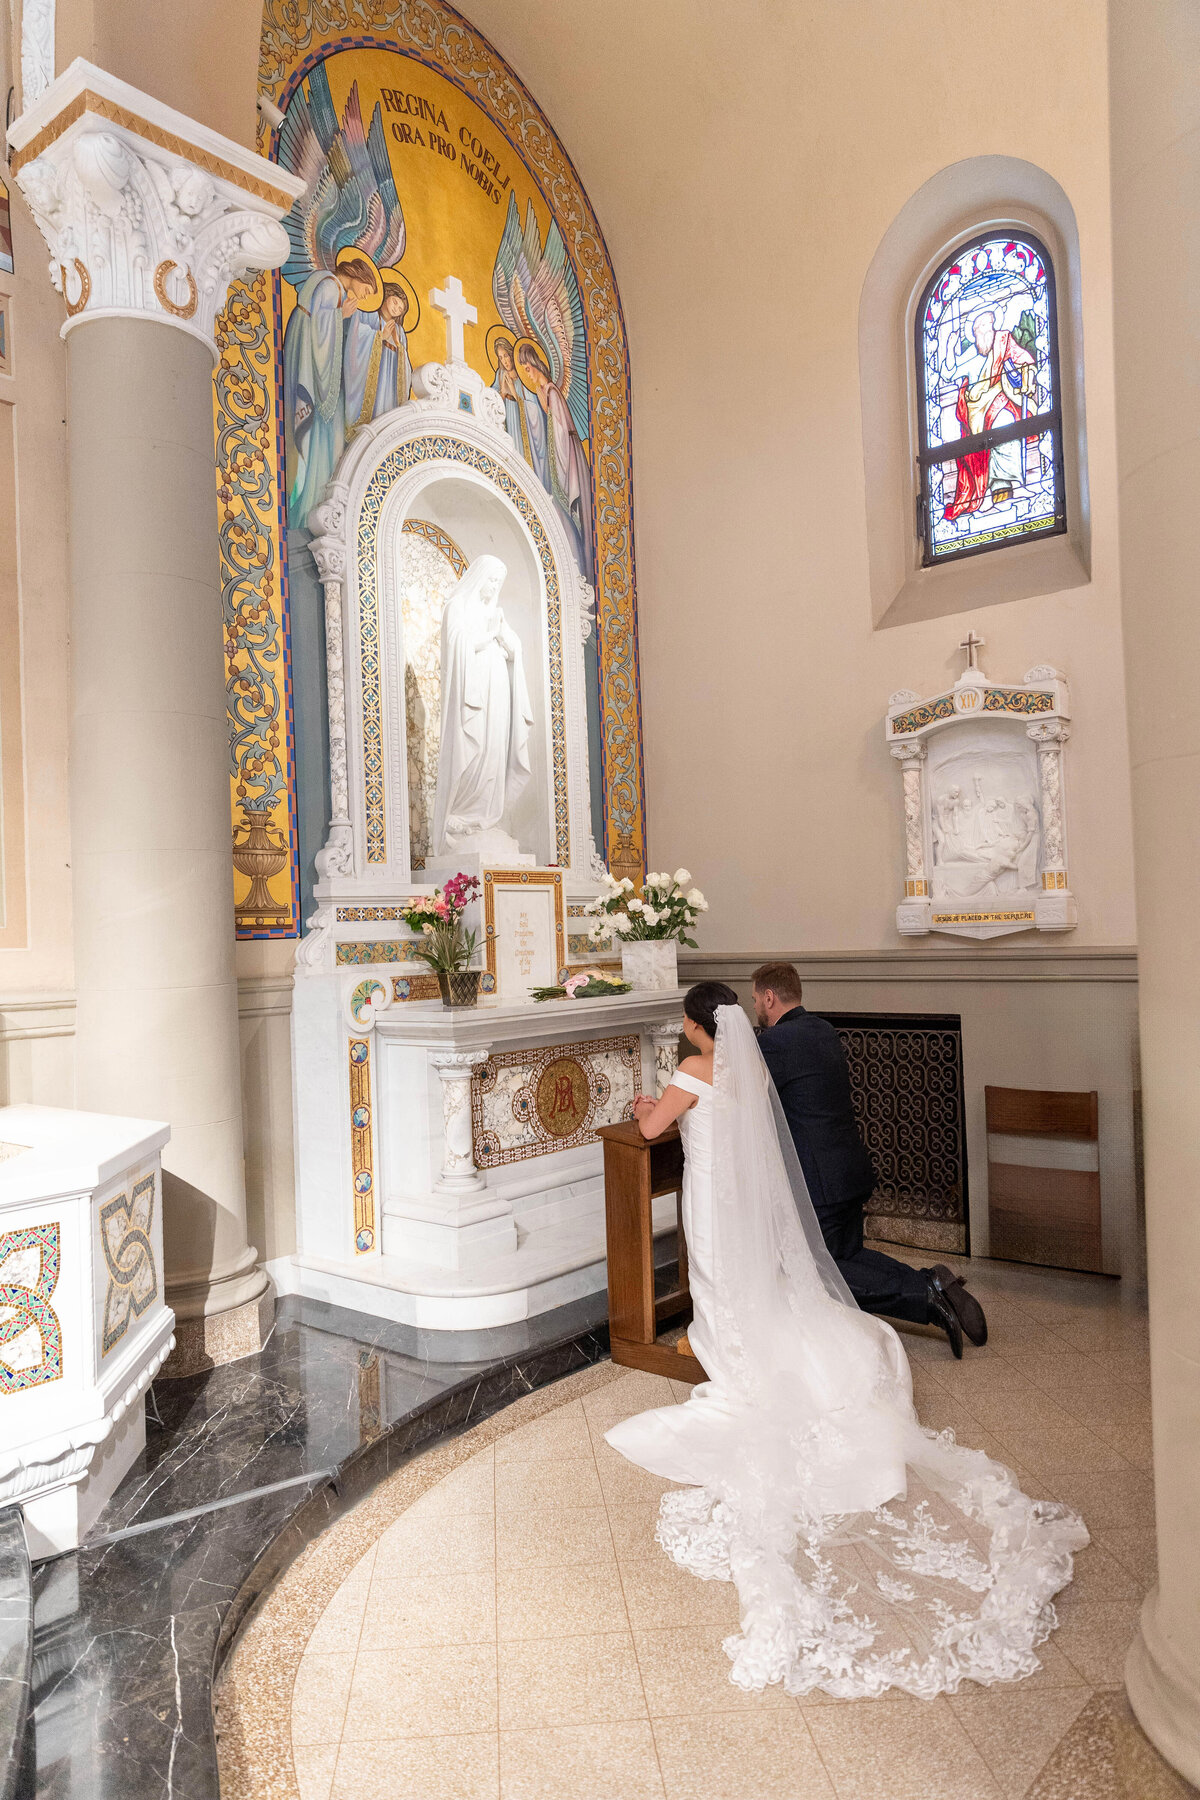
column 989, row 399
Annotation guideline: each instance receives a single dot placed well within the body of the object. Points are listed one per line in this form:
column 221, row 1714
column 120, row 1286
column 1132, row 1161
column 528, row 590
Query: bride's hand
column 643, row 1103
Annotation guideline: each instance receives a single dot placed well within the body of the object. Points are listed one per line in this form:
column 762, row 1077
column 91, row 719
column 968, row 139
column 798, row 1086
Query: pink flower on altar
column 573, row 982
column 441, row 909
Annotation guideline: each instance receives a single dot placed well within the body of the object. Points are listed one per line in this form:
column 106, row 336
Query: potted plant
column 445, row 944
column 651, row 925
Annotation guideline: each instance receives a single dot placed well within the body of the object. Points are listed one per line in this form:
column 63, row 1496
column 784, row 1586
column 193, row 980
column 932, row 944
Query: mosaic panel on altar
column 532, row 1102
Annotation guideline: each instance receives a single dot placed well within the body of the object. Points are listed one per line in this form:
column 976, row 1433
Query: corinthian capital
column 146, row 213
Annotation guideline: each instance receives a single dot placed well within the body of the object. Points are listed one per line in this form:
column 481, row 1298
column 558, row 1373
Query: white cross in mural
column 459, row 312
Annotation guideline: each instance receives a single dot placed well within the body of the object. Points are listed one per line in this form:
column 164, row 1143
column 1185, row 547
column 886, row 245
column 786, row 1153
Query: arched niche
column 470, row 514
column 446, row 475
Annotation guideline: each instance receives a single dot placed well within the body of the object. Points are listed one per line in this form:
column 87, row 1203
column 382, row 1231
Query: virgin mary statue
column 486, row 720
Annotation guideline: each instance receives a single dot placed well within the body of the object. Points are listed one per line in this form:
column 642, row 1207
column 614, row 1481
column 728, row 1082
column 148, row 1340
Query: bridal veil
column 868, row 1552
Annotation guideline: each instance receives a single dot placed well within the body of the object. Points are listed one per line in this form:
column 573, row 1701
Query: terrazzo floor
column 497, row 1623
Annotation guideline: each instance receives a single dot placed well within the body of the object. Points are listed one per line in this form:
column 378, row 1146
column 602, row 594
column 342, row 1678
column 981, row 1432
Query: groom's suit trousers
column 808, row 1066
column 879, row 1283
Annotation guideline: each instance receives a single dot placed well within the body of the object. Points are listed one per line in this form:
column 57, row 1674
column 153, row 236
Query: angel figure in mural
column 545, row 391
column 343, row 354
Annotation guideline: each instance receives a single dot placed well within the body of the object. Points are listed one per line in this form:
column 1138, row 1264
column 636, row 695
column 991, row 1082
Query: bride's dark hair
column 700, row 1003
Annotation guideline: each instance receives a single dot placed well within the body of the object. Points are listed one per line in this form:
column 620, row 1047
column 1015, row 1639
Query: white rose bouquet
column 663, row 909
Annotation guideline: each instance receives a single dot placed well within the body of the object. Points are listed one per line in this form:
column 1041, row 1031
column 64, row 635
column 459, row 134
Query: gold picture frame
column 496, row 879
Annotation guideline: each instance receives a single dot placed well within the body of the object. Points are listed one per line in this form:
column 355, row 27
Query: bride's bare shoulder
column 699, row 1067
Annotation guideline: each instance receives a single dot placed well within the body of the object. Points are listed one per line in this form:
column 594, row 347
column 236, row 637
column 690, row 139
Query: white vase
column 651, row 963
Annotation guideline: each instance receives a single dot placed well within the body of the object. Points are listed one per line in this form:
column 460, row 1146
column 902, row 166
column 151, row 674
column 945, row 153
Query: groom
column 808, row 1066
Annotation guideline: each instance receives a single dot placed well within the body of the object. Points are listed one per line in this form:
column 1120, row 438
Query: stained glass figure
column 990, row 453
column 6, row 243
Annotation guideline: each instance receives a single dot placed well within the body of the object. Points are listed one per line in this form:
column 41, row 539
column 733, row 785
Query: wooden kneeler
column 635, row 1172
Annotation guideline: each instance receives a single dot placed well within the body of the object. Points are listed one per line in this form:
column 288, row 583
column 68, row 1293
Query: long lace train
column 868, row 1553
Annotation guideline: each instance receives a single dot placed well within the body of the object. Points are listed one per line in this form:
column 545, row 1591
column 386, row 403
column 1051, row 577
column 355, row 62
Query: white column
column 148, row 217
column 1154, row 64
column 665, row 1039
column 336, row 856
column 1050, row 738
column 912, row 915
column 458, row 1174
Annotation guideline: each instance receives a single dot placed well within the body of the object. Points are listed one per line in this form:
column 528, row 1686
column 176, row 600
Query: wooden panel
column 1066, row 1196
column 1030, row 1112
column 1048, row 1216
column 634, row 1172
column 629, row 1241
column 1016, row 1237
column 657, row 1359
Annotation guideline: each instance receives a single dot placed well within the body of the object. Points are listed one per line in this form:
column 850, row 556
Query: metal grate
column 906, row 1076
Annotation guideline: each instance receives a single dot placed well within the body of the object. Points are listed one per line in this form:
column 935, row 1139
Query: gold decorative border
column 494, row 878
column 441, row 540
column 362, row 1146
column 216, row 166
column 982, row 918
column 434, row 34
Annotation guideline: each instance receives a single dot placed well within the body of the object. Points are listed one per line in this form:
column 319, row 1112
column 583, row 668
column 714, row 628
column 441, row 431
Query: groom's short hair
column 782, row 979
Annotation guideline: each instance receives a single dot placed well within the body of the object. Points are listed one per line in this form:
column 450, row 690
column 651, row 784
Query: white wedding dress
column 868, row 1552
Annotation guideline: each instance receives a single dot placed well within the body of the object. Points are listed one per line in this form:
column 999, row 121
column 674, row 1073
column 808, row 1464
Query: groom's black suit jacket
column 808, row 1066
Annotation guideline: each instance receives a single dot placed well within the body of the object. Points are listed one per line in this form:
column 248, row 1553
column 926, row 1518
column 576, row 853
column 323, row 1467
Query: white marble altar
column 985, row 833
column 448, row 1174
column 83, row 1323
column 447, row 1170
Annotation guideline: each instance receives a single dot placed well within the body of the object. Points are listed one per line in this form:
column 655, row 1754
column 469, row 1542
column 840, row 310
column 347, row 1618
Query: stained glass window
column 990, row 456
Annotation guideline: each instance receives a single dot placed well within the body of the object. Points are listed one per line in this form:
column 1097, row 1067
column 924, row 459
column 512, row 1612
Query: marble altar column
column 665, row 1039
column 148, row 216
column 1154, row 63
column 459, row 1174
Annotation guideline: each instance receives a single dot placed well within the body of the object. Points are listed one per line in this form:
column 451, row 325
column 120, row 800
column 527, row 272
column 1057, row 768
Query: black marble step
column 130, row 1630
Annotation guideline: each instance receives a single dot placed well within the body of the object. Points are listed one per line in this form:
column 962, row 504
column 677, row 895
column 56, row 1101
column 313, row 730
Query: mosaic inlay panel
column 125, row 1226
column 362, row 1145
column 531, row 1102
column 31, row 1350
column 377, row 950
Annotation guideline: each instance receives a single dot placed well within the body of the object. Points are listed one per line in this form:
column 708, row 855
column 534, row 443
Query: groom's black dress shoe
column 970, row 1313
column 942, row 1313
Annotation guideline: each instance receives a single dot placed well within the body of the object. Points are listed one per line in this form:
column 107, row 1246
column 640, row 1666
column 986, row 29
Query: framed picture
column 524, row 929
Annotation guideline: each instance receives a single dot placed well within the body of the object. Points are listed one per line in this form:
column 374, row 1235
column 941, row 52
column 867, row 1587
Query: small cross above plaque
column 971, row 644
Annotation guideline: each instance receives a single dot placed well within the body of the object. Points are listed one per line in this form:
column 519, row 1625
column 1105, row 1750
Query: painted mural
column 428, row 169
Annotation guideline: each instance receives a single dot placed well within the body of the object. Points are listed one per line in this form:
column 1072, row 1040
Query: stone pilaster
column 147, row 217
column 1154, row 76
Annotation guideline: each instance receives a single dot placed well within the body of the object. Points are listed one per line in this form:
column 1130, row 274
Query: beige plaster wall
column 744, row 164
column 199, row 56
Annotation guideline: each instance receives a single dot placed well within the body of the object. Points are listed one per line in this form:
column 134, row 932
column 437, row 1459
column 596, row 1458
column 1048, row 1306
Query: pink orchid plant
column 447, row 947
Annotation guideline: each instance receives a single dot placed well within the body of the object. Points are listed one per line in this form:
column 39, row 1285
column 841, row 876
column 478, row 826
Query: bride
column 868, row 1553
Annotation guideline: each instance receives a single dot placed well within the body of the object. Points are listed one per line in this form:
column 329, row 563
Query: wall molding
column 53, row 1015
column 928, row 964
